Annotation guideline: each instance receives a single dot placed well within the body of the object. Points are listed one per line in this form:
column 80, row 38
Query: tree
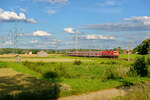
column 119, row 49
column 140, row 67
column 143, row 48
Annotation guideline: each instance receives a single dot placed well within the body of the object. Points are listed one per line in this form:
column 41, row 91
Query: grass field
column 91, row 74
column 57, row 58
column 35, row 58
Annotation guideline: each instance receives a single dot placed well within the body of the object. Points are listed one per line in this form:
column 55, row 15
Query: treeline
column 22, row 51
column 49, row 51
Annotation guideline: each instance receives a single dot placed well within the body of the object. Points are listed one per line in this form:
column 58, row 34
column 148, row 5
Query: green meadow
column 79, row 75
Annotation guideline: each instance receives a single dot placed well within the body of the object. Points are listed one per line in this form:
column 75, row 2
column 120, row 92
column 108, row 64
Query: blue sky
column 99, row 23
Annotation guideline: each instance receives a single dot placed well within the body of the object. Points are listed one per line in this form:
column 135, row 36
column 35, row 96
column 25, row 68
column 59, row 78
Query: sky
column 50, row 24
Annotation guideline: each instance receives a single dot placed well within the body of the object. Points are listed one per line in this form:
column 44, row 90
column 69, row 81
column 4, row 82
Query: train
column 104, row 54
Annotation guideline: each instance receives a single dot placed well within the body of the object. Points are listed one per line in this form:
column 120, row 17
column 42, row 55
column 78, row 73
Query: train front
column 116, row 54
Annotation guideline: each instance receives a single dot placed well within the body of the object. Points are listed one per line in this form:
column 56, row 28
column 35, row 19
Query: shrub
column 140, row 67
column 50, row 74
column 102, row 62
column 115, row 73
column 26, row 63
column 77, row 62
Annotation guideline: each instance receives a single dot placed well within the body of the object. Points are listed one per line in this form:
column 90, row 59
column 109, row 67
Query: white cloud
column 70, row 30
column 8, row 43
column 9, row 16
column 41, row 33
column 109, row 3
column 1, row 10
column 55, row 1
column 94, row 37
column 33, row 41
column 139, row 19
column 140, row 23
column 56, row 40
column 51, row 11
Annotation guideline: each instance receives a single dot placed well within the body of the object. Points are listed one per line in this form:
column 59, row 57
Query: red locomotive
column 109, row 54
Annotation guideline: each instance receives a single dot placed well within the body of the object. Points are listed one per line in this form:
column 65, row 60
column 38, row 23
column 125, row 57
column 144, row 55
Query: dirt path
column 98, row 95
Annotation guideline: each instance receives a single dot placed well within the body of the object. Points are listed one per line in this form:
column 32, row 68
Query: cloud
column 9, row 16
column 109, row 3
column 140, row 23
column 51, row 11
column 1, row 10
column 70, row 30
column 33, row 41
column 41, row 33
column 55, row 1
column 100, row 37
column 139, row 19
column 8, row 43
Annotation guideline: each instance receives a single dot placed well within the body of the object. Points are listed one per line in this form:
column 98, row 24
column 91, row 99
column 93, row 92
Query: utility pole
column 76, row 41
column 15, row 33
column 56, row 46
column 9, row 39
column 1, row 40
column 93, row 44
column 128, row 50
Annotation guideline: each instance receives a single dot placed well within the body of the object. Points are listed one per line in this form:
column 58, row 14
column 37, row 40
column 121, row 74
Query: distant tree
column 119, row 49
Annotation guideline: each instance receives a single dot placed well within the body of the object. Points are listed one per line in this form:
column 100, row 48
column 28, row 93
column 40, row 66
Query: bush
column 102, row 62
column 77, row 62
column 49, row 75
column 115, row 73
column 26, row 63
column 140, row 67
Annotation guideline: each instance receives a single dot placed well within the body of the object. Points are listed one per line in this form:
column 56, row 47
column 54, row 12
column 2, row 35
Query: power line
column 128, row 50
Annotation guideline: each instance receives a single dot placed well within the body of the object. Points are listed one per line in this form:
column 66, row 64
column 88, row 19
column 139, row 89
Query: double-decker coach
column 108, row 53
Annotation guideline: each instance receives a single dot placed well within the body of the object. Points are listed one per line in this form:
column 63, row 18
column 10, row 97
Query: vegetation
column 119, row 49
column 82, row 75
column 49, row 51
column 138, row 92
column 143, row 48
column 140, row 67
column 77, row 62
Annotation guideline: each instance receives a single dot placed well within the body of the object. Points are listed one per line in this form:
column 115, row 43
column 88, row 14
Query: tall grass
column 138, row 92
